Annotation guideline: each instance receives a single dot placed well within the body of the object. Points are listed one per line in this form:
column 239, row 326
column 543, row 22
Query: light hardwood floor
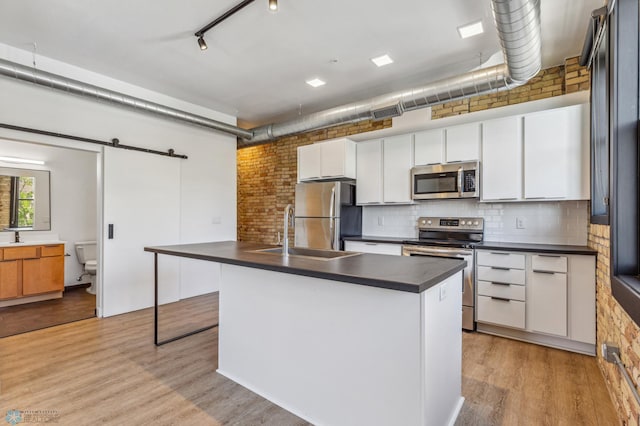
column 107, row 371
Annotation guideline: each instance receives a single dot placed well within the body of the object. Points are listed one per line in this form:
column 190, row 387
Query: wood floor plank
column 107, row 371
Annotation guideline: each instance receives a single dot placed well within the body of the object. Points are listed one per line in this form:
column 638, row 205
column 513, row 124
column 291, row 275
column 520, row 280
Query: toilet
column 87, row 254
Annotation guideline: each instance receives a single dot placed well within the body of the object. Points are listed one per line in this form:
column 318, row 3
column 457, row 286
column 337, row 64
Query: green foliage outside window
column 26, row 202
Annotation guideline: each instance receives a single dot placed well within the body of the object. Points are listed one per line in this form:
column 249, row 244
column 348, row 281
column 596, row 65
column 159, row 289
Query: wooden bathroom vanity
column 31, row 272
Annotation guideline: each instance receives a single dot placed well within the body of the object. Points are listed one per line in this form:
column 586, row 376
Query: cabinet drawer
column 541, row 262
column 501, row 275
column 501, row 259
column 53, row 250
column 509, row 313
column 506, row 291
column 13, row 253
column 377, row 248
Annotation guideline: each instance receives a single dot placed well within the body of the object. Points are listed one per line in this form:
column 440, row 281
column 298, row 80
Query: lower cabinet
column 548, row 302
column 31, row 270
column 542, row 298
column 9, row 283
column 372, row 247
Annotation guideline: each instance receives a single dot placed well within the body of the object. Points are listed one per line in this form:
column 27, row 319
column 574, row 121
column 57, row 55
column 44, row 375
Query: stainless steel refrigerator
column 325, row 212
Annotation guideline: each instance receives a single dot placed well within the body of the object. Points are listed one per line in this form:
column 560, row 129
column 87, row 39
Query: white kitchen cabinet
column 462, row 143
column 309, row 162
column 373, row 247
column 556, row 164
column 334, row 159
column 397, row 160
column 502, row 159
column 369, row 172
column 429, row 147
column 581, row 298
column 501, row 288
column 548, row 302
column 552, row 304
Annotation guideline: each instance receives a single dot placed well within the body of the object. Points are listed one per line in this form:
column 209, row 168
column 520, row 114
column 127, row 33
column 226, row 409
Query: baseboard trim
column 30, row 299
column 539, row 339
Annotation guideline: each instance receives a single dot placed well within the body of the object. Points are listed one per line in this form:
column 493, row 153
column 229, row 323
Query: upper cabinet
column 556, row 154
column 537, row 156
column 429, row 147
column 502, row 159
column 462, row 143
column 334, row 159
column 384, row 170
column 369, row 172
column 397, row 160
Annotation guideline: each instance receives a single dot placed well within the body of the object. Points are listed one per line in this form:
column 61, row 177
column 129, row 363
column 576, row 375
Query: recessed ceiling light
column 471, row 30
column 382, row 60
column 316, row 82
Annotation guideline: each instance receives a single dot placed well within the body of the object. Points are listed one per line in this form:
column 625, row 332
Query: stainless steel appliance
column 324, row 213
column 449, row 180
column 456, row 238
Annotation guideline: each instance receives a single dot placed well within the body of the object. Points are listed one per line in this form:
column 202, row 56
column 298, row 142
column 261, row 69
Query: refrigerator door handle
column 332, row 204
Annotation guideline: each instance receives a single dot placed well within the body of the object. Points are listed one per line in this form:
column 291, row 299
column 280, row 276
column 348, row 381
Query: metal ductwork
column 43, row 78
column 518, row 25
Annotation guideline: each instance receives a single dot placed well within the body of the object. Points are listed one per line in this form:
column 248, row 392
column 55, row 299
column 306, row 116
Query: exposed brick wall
column 5, row 201
column 554, row 81
column 267, row 176
column 616, row 327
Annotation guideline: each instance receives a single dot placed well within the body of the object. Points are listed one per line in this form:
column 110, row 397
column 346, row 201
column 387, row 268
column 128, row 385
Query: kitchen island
column 363, row 339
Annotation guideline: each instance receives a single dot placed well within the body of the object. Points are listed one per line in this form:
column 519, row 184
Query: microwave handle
column 460, row 189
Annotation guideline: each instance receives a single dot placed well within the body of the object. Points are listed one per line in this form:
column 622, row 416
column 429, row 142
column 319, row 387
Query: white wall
column 551, row 222
column 73, row 196
column 207, row 187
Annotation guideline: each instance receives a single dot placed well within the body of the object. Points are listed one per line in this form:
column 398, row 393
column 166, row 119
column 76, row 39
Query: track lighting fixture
column 273, row 6
column 202, row 43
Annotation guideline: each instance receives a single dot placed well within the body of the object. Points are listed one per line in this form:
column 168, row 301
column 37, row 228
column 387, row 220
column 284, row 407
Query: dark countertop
column 373, row 239
column 541, row 248
column 413, row 274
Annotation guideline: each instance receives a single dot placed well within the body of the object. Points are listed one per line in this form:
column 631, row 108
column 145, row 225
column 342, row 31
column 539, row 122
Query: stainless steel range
column 453, row 237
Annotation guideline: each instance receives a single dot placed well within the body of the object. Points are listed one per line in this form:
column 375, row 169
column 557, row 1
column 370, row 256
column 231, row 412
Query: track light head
column 273, row 5
column 202, row 43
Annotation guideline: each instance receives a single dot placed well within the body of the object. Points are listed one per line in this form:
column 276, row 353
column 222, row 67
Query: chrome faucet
column 288, row 220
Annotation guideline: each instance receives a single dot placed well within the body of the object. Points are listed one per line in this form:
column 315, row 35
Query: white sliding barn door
column 142, row 201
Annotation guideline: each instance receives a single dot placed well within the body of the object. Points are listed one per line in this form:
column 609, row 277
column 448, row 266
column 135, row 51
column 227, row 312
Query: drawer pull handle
column 500, row 253
column 544, row 272
column 370, row 244
column 500, row 299
column 499, row 283
column 499, row 268
column 549, row 255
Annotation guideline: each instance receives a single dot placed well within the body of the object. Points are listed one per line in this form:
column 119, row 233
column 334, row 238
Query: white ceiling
column 258, row 61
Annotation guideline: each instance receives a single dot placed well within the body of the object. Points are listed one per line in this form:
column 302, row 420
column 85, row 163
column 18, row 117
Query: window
column 600, row 130
column 22, row 201
column 624, row 98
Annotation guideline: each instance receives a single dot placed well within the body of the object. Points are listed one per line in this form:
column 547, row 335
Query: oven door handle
column 437, row 251
column 460, row 188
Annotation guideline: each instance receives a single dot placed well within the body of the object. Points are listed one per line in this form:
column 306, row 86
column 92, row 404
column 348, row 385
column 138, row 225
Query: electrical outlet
column 520, row 223
column 380, row 220
column 443, row 291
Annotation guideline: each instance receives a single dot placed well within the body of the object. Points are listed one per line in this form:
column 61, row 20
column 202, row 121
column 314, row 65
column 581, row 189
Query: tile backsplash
column 549, row 222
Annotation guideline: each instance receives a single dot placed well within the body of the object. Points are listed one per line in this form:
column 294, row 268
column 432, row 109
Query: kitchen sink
column 315, row 254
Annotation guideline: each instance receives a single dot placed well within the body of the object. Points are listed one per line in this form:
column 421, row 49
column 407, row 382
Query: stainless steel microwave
column 449, row 180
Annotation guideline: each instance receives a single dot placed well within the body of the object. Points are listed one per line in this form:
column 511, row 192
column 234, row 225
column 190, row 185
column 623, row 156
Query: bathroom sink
column 315, row 254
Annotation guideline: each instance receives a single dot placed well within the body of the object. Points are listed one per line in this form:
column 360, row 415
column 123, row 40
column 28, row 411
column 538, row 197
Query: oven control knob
column 428, row 222
column 475, row 223
column 462, row 223
column 423, row 222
